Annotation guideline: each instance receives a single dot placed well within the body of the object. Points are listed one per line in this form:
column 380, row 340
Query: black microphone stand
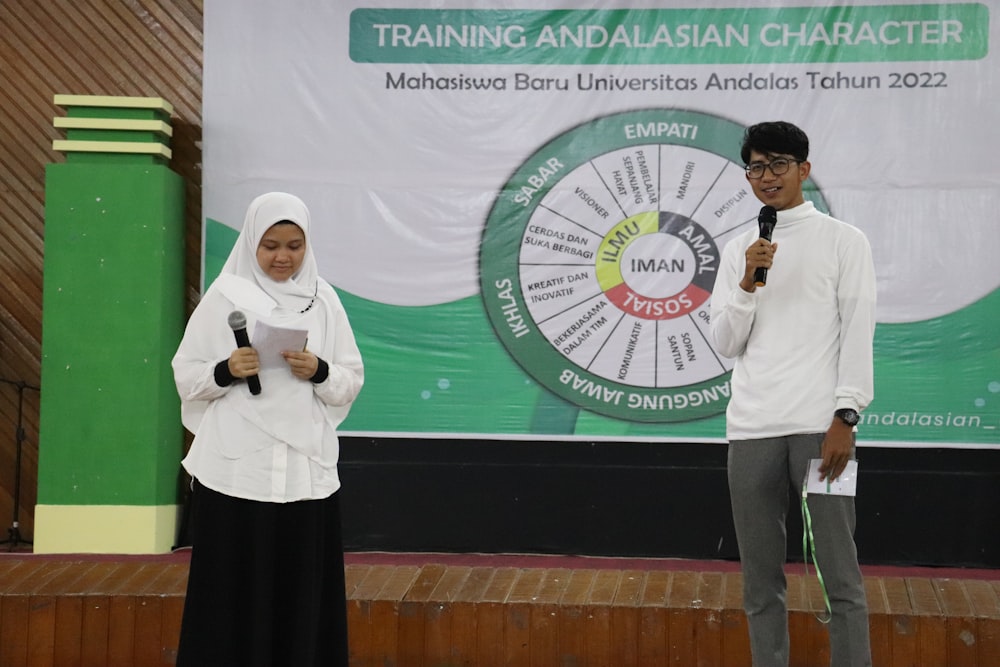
column 14, row 532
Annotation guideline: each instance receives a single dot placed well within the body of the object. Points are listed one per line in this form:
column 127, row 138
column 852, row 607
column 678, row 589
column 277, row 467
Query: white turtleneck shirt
column 802, row 343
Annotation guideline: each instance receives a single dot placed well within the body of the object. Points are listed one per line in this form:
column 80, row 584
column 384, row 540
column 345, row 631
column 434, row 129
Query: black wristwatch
column 848, row 416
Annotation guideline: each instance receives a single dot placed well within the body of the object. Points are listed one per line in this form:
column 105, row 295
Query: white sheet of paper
column 845, row 485
column 271, row 341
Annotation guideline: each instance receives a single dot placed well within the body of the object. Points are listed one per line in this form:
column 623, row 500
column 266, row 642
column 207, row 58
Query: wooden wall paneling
column 88, row 47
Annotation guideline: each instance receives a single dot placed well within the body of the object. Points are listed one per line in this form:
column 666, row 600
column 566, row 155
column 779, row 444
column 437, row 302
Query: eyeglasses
column 778, row 166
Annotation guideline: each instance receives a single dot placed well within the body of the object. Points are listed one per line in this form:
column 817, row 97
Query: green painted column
column 110, row 438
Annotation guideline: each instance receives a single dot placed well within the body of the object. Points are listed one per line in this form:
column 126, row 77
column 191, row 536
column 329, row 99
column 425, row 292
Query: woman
column 266, row 583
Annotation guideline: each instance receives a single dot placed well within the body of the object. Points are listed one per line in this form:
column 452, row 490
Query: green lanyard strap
column 808, row 540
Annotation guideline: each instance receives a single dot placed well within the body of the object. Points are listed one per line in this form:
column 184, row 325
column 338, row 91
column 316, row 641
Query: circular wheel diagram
column 599, row 256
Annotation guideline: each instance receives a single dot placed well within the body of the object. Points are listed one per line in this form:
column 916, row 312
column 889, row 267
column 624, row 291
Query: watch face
column 849, row 417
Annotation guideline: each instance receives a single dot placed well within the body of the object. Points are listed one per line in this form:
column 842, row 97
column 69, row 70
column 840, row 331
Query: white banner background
column 402, row 181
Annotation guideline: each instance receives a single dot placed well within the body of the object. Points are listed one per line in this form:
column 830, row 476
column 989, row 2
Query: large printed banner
column 523, row 206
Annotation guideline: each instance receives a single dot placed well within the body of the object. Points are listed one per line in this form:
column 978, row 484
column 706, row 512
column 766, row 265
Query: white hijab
column 246, row 284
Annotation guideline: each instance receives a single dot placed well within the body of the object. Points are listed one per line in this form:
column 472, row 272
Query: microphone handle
column 760, row 276
column 760, row 273
column 242, row 340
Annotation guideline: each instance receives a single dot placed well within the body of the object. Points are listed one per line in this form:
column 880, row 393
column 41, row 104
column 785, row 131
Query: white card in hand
column 845, row 485
column 270, row 342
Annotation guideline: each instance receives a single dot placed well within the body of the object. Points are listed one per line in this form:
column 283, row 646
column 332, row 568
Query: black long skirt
column 266, row 584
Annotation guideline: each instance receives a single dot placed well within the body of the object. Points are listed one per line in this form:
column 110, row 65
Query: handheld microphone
column 766, row 220
column 238, row 323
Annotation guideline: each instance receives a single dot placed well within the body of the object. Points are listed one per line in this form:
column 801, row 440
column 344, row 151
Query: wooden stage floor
column 437, row 610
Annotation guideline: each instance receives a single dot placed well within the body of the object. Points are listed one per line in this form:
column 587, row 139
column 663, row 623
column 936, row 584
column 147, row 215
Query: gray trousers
column 760, row 473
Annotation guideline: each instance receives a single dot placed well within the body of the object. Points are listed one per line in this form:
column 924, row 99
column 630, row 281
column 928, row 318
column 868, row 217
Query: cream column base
column 106, row 529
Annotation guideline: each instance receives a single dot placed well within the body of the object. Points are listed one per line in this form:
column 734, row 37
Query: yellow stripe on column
column 113, row 101
column 158, row 126
column 138, row 147
column 109, row 529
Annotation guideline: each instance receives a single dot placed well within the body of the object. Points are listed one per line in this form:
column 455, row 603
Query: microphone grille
column 237, row 320
column 768, row 214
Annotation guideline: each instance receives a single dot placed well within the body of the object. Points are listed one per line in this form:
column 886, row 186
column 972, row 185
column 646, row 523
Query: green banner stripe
column 871, row 33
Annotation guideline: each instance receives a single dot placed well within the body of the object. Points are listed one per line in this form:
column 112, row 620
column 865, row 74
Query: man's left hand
column 836, row 452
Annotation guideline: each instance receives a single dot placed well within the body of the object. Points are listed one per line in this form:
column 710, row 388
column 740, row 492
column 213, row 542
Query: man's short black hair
column 775, row 137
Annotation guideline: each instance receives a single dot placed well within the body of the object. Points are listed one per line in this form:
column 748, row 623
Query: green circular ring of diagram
column 556, row 218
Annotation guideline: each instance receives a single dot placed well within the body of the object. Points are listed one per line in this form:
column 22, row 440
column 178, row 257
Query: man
column 803, row 349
